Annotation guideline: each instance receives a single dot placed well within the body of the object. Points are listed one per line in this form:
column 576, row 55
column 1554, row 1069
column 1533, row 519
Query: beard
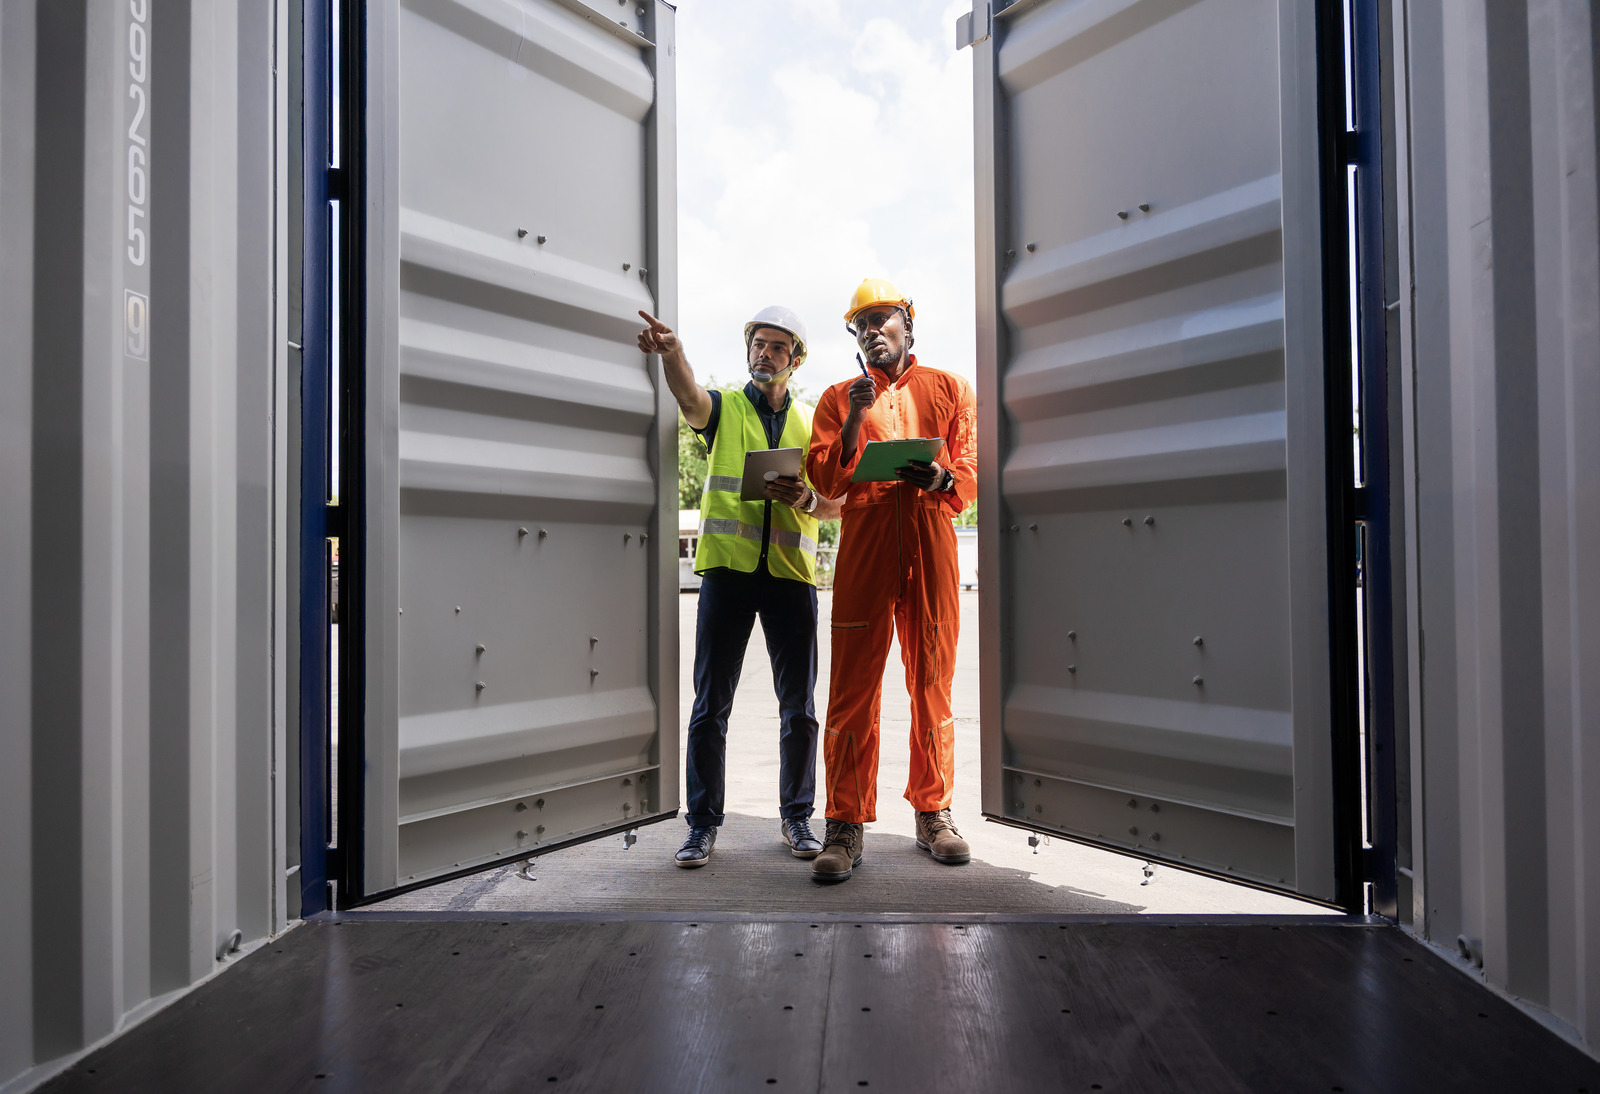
column 881, row 355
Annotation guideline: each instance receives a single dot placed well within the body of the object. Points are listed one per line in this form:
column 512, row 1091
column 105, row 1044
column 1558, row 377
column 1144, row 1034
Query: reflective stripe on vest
column 730, row 529
column 751, row 531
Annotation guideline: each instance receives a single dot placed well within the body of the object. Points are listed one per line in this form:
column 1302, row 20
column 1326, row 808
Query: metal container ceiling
column 521, row 616
column 1151, row 375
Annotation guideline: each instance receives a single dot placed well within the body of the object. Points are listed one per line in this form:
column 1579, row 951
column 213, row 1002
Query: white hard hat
column 783, row 319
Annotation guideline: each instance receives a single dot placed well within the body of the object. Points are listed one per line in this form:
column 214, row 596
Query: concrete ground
column 752, row 871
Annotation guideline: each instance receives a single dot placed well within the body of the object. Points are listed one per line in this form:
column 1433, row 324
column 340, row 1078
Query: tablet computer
column 762, row 465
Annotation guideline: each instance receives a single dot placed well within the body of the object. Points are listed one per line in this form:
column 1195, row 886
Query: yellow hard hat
column 874, row 291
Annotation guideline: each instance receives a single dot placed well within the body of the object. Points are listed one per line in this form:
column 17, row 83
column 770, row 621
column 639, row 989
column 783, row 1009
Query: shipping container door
column 1151, row 367
column 521, row 652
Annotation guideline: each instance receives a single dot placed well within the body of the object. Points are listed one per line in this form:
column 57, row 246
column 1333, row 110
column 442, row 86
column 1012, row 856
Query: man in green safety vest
column 755, row 558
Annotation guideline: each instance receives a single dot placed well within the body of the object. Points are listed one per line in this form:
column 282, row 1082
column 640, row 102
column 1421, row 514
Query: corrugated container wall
column 1499, row 377
column 139, row 536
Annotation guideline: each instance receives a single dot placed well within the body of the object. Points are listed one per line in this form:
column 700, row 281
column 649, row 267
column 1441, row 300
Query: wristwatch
column 811, row 503
column 949, row 481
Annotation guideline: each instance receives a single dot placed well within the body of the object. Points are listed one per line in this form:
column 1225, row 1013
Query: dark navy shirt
column 771, row 420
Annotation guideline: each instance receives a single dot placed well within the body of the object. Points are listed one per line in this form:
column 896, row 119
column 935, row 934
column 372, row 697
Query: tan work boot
column 841, row 852
column 937, row 835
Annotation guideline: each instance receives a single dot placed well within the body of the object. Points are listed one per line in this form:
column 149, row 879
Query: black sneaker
column 797, row 834
column 696, row 850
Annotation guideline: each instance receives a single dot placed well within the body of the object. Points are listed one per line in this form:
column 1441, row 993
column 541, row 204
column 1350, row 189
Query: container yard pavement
column 751, row 871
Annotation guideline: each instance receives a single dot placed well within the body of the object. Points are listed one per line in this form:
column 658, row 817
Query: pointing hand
column 657, row 337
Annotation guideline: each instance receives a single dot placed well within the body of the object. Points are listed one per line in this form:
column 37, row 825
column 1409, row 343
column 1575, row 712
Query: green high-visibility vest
column 730, row 529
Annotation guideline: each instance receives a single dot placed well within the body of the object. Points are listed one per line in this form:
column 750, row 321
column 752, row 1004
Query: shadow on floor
column 750, row 871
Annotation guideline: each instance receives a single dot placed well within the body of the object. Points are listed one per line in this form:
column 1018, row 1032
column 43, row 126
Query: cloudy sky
column 820, row 142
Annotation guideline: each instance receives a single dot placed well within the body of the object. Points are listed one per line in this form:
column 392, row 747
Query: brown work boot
column 937, row 835
column 841, row 852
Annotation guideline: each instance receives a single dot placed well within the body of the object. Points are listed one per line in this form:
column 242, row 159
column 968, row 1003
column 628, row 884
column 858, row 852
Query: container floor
column 676, row 1002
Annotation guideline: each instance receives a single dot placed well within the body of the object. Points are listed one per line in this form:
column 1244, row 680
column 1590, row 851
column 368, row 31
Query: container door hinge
column 1351, row 146
column 1358, row 504
column 974, row 27
column 333, row 864
column 338, row 189
column 1367, row 864
column 333, row 522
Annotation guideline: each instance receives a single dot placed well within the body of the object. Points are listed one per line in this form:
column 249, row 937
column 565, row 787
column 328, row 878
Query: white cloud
column 820, row 143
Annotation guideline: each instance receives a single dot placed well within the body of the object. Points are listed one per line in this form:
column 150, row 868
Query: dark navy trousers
column 729, row 604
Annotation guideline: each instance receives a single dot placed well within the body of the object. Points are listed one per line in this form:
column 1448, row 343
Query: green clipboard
column 881, row 459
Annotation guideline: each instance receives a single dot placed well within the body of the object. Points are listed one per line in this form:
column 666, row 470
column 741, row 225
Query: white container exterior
column 1498, row 413
column 142, row 493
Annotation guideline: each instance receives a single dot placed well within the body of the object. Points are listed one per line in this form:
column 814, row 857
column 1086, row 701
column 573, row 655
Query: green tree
column 691, row 466
column 968, row 517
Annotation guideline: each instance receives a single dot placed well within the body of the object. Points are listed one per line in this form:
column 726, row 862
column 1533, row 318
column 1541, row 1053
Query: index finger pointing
column 652, row 320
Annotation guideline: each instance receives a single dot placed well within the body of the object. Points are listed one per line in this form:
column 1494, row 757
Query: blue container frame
column 331, row 862
column 316, row 364
column 1372, row 510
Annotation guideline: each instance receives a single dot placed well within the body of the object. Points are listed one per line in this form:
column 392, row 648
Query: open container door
column 1152, row 369
column 520, row 651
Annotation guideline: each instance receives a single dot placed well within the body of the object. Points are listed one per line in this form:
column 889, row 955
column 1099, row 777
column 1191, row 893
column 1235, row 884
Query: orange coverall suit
column 896, row 566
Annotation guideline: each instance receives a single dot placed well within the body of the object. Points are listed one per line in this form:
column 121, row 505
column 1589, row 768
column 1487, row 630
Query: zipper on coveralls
column 899, row 542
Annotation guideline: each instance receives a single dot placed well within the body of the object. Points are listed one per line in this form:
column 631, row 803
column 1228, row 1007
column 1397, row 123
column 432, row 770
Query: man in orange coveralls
column 896, row 567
